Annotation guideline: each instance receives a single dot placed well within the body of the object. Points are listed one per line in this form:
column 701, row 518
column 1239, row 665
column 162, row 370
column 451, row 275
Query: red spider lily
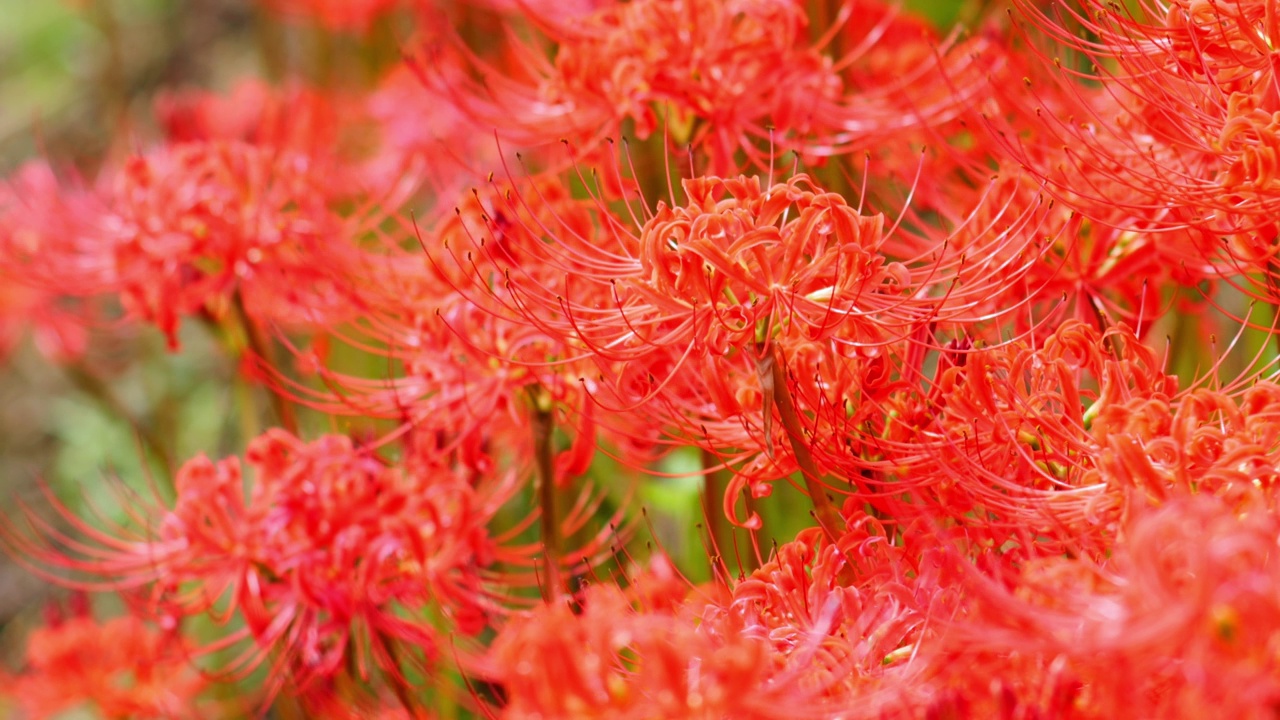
column 1088, row 270
column 1063, row 440
column 614, row 662
column 245, row 202
column 684, row 317
column 736, row 265
column 133, row 670
column 1000, row 442
column 613, row 64
column 790, row 641
column 486, row 411
column 442, row 321
column 1180, row 623
column 1020, row 513
column 329, row 549
column 53, row 262
column 724, row 74
column 1202, row 442
column 195, row 224
column 1176, row 129
column 845, row 623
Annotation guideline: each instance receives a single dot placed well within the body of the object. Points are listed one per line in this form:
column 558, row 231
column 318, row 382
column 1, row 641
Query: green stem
column 723, row 537
column 271, row 46
column 543, row 416
column 260, row 345
column 287, row 707
column 115, row 98
column 395, row 678
column 772, row 366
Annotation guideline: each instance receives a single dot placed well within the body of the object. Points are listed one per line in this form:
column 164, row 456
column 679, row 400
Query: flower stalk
column 542, row 415
column 772, row 370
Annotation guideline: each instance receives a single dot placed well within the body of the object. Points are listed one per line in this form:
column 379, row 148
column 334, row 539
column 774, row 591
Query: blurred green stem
column 722, row 536
column 260, row 345
column 114, row 94
column 543, row 415
column 103, row 394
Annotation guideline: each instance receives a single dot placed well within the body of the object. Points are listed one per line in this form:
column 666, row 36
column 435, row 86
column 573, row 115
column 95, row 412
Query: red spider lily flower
column 1000, row 444
column 737, row 264
column 612, row 661
column 1063, row 439
column 845, row 622
column 790, row 641
column 1091, row 271
column 122, row 667
column 195, row 224
column 634, row 304
column 724, row 75
column 1181, row 622
column 1204, row 441
column 329, row 556
column 468, row 358
column 682, row 316
column 484, row 390
column 616, row 63
column 54, row 265
column 1178, row 128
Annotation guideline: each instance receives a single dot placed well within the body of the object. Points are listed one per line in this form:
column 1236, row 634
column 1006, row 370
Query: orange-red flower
column 736, row 79
column 122, row 668
column 54, row 261
column 328, row 555
column 195, row 224
column 1180, row 622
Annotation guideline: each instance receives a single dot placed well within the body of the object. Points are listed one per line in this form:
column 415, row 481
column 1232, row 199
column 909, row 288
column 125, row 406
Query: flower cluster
column 969, row 339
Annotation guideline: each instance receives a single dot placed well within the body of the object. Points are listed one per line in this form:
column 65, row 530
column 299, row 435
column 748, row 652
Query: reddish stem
column 773, row 372
column 543, row 416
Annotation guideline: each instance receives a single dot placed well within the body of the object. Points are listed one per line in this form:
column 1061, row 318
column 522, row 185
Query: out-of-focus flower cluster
column 999, row 305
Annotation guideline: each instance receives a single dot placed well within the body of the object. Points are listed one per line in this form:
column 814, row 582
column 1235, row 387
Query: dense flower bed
column 998, row 306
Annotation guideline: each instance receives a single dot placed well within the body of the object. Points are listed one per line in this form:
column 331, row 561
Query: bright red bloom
column 1204, row 441
column 195, row 224
column 612, row 661
column 1176, row 131
column 1181, row 622
column 815, row 632
column 123, row 668
column 680, row 314
column 844, row 623
column 329, row 549
column 728, row 77
column 54, row 263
